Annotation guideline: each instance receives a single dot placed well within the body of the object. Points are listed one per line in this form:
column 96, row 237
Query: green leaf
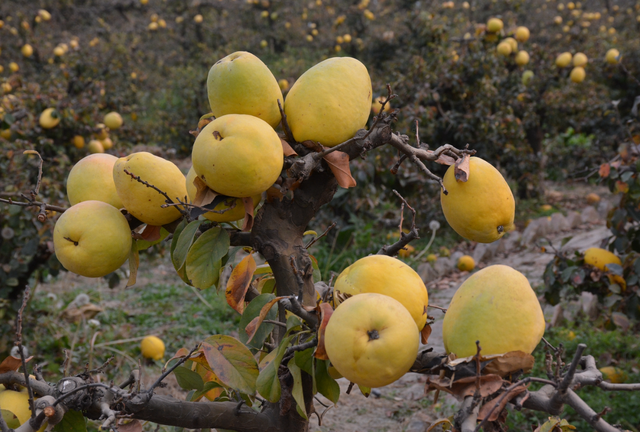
column 208, row 386
column 293, row 322
column 268, row 383
column 134, row 263
column 182, row 246
column 232, row 362
column 10, row 418
column 327, row 386
column 188, row 379
column 174, row 244
column 317, row 275
column 252, row 311
column 204, row 257
column 73, row 421
column 145, row 244
column 298, row 391
column 304, row 360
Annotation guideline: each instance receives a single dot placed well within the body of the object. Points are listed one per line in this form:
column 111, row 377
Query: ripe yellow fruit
column 557, row 20
column 481, row 209
column 49, row 118
column 241, row 83
column 432, row 258
column 564, row 60
column 593, row 198
column 17, row 404
column 383, row 274
column 13, row 66
column 78, row 141
column 330, row 102
column 283, row 84
column 58, row 51
column 513, row 43
column 613, row 374
column 236, row 213
column 371, row 340
column 522, row 34
column 580, row 59
column 238, row 155
column 527, row 77
column 612, row 56
column 522, row 58
column 504, row 48
column 198, row 19
column 494, row 25
column 44, row 14
column 577, row 74
column 103, row 132
column 113, row 120
column 466, row 263
column 95, row 146
column 152, row 347
column 153, row 26
column 27, row 50
column 92, row 179
column 600, row 258
column 496, row 306
column 406, row 251
column 377, row 104
column 92, row 239
column 145, row 203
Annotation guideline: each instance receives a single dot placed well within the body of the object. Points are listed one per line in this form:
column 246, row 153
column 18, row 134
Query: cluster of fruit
column 237, row 155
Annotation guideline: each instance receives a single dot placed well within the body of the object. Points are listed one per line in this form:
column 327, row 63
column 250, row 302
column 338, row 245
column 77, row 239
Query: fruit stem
column 75, row 243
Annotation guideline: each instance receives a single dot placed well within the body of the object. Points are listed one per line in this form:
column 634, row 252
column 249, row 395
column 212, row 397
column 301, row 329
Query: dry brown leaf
column 313, row 145
column 462, row 168
column 503, row 400
column 291, row 184
column 239, row 282
column 76, row 315
column 204, row 195
column 339, row 163
column 253, row 326
column 12, row 364
column 132, row 426
column 489, row 384
column 287, row 149
column 150, row 233
column 425, row 333
column 445, row 160
column 510, row 362
column 326, row 311
column 274, row 192
column 248, row 213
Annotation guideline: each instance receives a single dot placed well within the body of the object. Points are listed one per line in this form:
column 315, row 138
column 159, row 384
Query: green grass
column 624, row 351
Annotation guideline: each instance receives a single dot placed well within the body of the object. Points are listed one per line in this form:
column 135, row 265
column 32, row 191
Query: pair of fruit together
column 238, row 155
column 372, row 338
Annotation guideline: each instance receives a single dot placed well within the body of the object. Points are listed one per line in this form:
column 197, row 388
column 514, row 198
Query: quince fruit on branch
column 238, row 155
column 330, row 102
column 241, row 83
column 143, row 202
column 497, row 307
column 92, row 179
column 385, row 275
column 92, row 239
column 371, row 340
column 481, row 209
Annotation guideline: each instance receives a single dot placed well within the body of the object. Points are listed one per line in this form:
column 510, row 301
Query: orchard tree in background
column 290, row 335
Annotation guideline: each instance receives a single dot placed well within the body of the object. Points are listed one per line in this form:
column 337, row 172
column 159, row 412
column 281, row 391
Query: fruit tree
column 298, row 332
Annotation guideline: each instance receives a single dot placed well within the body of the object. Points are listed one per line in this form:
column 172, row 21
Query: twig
column 301, row 347
column 278, row 323
column 568, row 377
column 333, row 224
column 393, row 249
column 380, row 114
column 35, row 190
column 292, row 304
column 285, row 125
column 25, row 300
column 171, row 369
column 438, row 307
column 34, row 204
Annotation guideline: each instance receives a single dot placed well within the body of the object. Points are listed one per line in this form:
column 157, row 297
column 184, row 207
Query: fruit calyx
column 373, row 334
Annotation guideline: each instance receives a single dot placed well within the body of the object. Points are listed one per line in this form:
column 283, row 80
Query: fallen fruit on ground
column 466, row 263
column 432, row 258
column 497, row 307
column 145, row 203
column 481, row 209
column 613, row 374
column 564, row 59
column 113, row 120
column 92, row 239
column 600, row 258
column 237, row 211
column 49, row 118
column 330, row 102
column 593, row 198
column 238, row 155
column 383, row 274
column 371, row 340
column 92, row 179
column 241, row 83
column 152, row 348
